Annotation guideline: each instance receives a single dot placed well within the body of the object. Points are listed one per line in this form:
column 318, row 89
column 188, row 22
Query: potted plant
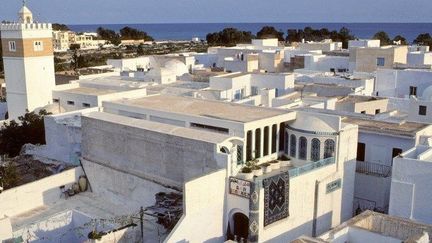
column 266, row 167
column 275, row 164
column 285, row 161
column 257, row 171
column 246, row 173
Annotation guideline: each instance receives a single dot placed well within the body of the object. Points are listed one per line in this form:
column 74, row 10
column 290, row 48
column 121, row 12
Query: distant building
column 369, row 59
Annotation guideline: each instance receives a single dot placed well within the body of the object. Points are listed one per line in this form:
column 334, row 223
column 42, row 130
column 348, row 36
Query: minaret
column 28, row 63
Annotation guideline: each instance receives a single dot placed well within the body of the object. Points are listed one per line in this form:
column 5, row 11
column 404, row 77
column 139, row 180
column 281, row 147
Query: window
column 332, row 70
column 274, row 139
column 286, row 142
column 380, row 61
column 329, row 148
column 315, row 149
column 56, row 100
column 361, row 148
column 396, row 152
column 422, row 110
column 266, row 141
column 249, row 146
column 87, row 105
column 257, row 143
column 69, row 102
column 377, row 111
column 282, row 137
column 38, row 45
column 293, row 145
column 363, row 112
column 413, row 90
column 302, row 148
column 12, row 46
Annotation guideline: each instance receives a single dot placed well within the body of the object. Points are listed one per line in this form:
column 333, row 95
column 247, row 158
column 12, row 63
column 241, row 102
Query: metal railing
column 373, row 169
column 310, row 167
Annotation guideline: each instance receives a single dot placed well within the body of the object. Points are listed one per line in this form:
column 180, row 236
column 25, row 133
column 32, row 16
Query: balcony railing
column 373, row 169
column 310, row 167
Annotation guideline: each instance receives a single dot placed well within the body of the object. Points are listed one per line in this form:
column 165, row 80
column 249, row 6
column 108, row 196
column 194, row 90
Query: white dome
column 427, row 93
column 311, row 124
column 176, row 66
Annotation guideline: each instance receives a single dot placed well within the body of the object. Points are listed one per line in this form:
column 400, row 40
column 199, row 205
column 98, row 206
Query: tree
column 383, row 37
column 400, row 39
column 310, row 34
column 29, row 129
column 229, row 37
column 109, row 35
column 128, row 33
column 270, row 32
column 61, row 27
column 424, row 39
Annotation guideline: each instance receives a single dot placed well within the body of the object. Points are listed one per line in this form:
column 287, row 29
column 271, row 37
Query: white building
column 410, row 194
column 402, row 83
column 163, row 132
column 325, row 46
column 28, row 63
column 248, row 88
column 374, row 227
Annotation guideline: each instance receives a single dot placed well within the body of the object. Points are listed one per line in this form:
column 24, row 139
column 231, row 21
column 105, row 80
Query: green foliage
column 62, row 27
column 74, row 47
column 229, row 37
column 383, row 37
column 128, row 33
column 109, row 35
column 9, row 176
column 246, row 170
column 424, row 39
column 310, row 34
column 270, row 32
column 28, row 129
column 400, row 38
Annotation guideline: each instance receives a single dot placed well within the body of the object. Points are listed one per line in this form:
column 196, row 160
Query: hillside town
column 254, row 139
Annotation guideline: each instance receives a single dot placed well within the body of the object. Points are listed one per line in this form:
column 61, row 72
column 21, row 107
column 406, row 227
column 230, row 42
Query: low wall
column 36, row 194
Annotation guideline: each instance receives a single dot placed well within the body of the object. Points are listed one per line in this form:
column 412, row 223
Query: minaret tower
column 28, row 63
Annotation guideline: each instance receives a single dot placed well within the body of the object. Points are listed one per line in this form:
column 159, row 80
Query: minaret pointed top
column 25, row 15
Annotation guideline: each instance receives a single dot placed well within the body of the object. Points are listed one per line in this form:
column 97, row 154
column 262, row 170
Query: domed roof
column 427, row 93
column 176, row 66
column 312, row 124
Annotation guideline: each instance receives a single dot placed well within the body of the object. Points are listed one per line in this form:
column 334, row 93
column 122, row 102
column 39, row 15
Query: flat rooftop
column 403, row 129
column 90, row 91
column 203, row 108
column 189, row 133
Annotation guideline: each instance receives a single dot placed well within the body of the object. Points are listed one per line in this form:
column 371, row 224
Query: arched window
column 286, row 143
column 315, row 149
column 302, row 148
column 329, row 148
column 293, row 145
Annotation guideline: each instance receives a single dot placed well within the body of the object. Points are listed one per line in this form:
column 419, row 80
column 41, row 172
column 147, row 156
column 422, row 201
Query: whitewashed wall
column 203, row 210
column 35, row 194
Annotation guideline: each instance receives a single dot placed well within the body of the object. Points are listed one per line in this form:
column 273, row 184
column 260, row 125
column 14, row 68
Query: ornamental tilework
column 254, row 212
column 276, row 198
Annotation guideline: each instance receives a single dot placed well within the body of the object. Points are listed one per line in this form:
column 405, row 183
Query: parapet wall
column 21, row 26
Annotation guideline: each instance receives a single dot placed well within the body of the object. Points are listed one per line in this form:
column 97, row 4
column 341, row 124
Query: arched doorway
column 240, row 227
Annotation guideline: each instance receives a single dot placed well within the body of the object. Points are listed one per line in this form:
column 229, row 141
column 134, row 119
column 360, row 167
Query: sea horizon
column 187, row 31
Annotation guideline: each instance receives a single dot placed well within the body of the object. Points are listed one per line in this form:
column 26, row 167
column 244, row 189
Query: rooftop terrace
column 203, row 108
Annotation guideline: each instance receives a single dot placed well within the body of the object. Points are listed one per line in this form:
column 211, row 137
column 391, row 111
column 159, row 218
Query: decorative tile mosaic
column 276, row 198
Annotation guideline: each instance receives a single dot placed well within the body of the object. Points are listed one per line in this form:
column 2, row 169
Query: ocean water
column 187, row 31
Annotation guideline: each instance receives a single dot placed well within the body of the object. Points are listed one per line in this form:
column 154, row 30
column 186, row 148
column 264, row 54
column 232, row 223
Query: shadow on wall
column 323, row 222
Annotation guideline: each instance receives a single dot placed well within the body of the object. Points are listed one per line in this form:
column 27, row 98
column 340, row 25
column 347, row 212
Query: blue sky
column 207, row 11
